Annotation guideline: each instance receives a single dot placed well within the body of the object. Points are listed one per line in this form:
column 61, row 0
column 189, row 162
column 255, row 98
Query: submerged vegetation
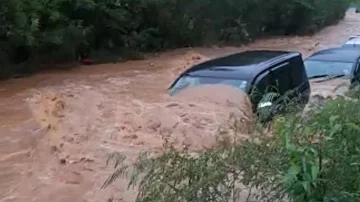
column 306, row 158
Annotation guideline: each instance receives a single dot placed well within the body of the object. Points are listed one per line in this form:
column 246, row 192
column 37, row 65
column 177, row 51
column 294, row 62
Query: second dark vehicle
column 334, row 63
column 269, row 77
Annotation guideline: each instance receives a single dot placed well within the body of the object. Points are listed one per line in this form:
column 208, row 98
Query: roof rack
column 355, row 36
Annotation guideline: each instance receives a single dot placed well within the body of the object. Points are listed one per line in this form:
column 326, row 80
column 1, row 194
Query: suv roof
column 336, row 54
column 353, row 40
column 242, row 65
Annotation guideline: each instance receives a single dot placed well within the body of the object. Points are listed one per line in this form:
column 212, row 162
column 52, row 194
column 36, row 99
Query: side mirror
column 262, row 105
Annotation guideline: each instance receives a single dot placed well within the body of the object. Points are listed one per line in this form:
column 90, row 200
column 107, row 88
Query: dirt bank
column 57, row 128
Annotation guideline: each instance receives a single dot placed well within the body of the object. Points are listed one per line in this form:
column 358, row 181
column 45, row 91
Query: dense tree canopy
column 30, row 28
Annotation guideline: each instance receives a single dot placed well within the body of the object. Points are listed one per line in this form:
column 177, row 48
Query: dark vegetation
column 57, row 31
column 312, row 159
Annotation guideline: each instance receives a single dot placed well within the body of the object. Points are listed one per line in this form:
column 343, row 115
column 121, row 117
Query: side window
column 262, row 85
column 281, row 78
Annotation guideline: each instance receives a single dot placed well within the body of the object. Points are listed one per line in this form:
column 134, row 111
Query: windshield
column 193, row 81
column 316, row 68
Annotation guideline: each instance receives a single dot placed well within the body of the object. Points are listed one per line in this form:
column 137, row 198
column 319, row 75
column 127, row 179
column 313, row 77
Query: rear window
column 194, row 81
column 297, row 72
column 289, row 75
column 282, row 78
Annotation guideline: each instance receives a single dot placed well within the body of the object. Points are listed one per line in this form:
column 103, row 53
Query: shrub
column 33, row 29
column 313, row 159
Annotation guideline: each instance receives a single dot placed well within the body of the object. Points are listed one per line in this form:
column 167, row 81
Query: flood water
column 56, row 128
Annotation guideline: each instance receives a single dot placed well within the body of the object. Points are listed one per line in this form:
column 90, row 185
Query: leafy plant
column 314, row 159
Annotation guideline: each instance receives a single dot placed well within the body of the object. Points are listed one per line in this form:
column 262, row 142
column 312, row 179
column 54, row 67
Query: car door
column 284, row 84
column 355, row 80
column 263, row 95
column 357, row 69
column 262, row 90
column 259, row 88
column 300, row 86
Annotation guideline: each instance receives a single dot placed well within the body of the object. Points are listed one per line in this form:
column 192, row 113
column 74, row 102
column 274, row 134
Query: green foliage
column 55, row 30
column 316, row 159
column 323, row 163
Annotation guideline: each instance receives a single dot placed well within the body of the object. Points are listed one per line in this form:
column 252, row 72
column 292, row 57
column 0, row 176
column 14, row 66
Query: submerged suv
column 332, row 63
column 268, row 77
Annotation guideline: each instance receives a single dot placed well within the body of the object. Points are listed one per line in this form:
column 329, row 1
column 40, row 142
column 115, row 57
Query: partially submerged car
column 353, row 41
column 269, row 77
column 334, row 63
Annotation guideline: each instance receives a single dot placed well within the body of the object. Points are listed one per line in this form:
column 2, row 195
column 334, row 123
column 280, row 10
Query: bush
column 313, row 159
column 38, row 30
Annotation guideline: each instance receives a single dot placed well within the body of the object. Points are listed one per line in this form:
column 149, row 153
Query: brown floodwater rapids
column 56, row 128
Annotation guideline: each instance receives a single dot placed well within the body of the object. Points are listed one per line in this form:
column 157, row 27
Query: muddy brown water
column 57, row 128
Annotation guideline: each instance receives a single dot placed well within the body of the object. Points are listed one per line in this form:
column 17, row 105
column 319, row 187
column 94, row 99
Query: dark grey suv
column 267, row 76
